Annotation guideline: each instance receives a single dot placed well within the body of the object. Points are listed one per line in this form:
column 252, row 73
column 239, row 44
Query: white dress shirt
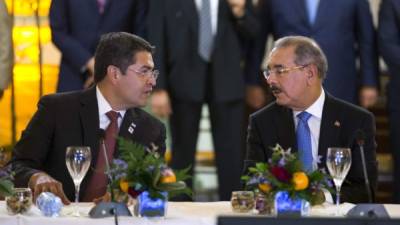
column 214, row 13
column 105, row 107
column 314, row 123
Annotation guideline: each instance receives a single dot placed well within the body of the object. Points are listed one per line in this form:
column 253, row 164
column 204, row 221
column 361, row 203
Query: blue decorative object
column 49, row 204
column 285, row 206
column 148, row 207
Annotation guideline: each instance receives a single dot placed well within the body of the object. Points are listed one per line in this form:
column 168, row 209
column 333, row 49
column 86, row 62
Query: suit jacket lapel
column 302, row 10
column 330, row 127
column 286, row 130
column 130, row 127
column 129, row 124
column 190, row 11
column 89, row 115
column 94, row 7
column 321, row 13
column 107, row 6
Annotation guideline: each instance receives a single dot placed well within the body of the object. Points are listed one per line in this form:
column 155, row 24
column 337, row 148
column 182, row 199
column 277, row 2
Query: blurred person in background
column 200, row 58
column 76, row 27
column 6, row 48
column 345, row 32
column 389, row 46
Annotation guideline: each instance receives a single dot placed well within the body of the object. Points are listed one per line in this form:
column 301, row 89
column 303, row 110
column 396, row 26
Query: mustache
column 274, row 88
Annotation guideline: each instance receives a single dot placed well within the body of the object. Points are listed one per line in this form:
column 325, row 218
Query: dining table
column 178, row 213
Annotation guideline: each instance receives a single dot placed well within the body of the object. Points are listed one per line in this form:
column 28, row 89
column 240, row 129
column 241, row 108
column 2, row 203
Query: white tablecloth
column 179, row 213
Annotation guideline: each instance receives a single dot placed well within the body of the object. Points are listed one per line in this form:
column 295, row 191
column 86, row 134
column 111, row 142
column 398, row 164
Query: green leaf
column 183, row 174
column 6, row 187
column 253, row 170
column 262, row 167
column 156, row 176
column 245, row 178
column 185, row 191
column 171, row 186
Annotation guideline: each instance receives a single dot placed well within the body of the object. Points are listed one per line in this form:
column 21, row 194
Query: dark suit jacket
column 72, row 119
column 343, row 29
column 175, row 35
column 340, row 121
column 389, row 43
column 76, row 28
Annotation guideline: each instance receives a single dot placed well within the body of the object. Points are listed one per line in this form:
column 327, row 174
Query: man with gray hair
column 307, row 119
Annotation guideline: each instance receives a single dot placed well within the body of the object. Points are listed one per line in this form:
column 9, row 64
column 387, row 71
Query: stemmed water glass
column 78, row 160
column 338, row 161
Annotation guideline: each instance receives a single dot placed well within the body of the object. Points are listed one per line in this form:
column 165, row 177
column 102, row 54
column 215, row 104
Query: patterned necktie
column 98, row 183
column 312, row 8
column 101, row 4
column 303, row 135
column 206, row 38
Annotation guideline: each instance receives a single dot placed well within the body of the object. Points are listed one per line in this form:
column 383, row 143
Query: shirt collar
column 104, row 106
column 316, row 108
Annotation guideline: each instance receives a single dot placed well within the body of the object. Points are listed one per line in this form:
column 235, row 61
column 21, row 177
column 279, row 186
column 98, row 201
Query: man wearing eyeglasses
column 308, row 119
column 124, row 79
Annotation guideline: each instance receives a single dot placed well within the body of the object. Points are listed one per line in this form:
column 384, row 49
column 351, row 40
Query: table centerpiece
column 282, row 185
column 142, row 173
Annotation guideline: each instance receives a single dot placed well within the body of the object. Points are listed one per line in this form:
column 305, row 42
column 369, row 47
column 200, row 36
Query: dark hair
column 307, row 51
column 118, row 49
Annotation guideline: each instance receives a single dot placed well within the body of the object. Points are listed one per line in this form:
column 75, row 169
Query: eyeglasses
column 146, row 73
column 279, row 72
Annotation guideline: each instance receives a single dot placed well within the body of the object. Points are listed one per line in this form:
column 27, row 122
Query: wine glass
column 78, row 160
column 338, row 161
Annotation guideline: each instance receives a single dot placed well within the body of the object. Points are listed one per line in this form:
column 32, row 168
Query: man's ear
column 312, row 73
column 113, row 73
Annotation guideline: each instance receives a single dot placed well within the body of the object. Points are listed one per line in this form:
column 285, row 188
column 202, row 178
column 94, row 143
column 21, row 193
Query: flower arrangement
column 284, row 172
column 140, row 169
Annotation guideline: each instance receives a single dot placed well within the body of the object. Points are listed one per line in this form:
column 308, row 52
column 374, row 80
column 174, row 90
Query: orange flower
column 167, row 176
column 124, row 185
column 264, row 187
column 300, row 181
column 168, row 179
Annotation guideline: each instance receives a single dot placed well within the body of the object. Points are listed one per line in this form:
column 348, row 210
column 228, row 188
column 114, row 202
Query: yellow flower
column 168, row 179
column 300, row 181
column 167, row 176
column 124, row 185
column 264, row 187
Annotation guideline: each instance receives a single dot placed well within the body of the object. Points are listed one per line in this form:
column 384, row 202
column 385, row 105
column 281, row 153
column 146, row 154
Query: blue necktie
column 312, row 7
column 205, row 31
column 304, row 141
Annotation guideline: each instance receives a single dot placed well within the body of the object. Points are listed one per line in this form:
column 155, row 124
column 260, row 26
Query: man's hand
column 160, row 104
column 255, row 96
column 42, row 182
column 90, row 65
column 237, row 7
column 90, row 79
column 368, row 96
